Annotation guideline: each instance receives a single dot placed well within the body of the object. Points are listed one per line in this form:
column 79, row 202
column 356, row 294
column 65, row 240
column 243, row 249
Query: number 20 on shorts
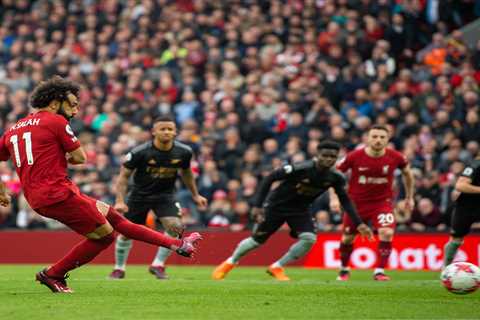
column 385, row 219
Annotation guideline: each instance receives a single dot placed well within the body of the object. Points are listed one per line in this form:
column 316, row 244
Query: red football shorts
column 79, row 212
column 379, row 215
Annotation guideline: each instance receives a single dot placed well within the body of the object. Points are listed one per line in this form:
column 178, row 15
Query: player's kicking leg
column 81, row 215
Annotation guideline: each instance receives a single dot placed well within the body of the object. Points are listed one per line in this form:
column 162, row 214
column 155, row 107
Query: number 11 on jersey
column 27, row 136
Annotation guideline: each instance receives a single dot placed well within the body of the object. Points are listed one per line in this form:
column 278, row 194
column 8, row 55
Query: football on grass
column 461, row 277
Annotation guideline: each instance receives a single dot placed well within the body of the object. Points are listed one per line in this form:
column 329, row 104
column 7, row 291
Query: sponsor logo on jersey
column 385, row 169
column 362, row 168
column 152, row 162
column 162, row 172
column 372, row 180
column 175, row 161
column 307, row 189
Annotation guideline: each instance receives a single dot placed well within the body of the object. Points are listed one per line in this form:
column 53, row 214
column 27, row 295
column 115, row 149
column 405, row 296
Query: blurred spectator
column 220, row 210
column 251, row 90
column 426, row 217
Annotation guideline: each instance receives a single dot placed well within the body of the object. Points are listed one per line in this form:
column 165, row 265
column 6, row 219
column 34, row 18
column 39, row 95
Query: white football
column 461, row 277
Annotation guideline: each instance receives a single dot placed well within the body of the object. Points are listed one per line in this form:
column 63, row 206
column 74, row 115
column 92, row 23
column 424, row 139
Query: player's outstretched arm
column 121, row 187
column 189, row 180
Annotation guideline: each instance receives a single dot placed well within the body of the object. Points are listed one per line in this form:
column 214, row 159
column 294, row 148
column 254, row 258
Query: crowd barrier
column 410, row 251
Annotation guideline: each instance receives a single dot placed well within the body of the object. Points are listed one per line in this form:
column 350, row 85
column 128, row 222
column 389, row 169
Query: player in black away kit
column 154, row 166
column 301, row 184
column 466, row 209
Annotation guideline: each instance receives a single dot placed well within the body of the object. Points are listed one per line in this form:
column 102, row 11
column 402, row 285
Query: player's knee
column 260, row 238
column 386, row 234
column 100, row 232
column 308, row 237
column 102, row 207
column 175, row 229
column 347, row 238
column 107, row 239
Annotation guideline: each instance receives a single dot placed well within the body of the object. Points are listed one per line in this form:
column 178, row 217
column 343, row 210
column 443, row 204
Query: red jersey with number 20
column 371, row 178
column 37, row 145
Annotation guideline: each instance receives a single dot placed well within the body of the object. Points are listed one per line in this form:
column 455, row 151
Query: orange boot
column 222, row 270
column 278, row 273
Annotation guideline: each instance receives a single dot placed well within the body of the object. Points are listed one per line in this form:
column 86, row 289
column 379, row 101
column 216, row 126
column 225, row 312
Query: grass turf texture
column 248, row 293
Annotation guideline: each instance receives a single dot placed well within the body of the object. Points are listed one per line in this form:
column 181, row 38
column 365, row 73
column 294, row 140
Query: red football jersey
column 371, row 178
column 37, row 145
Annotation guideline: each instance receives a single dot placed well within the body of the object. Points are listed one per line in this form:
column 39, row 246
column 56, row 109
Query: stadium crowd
column 252, row 84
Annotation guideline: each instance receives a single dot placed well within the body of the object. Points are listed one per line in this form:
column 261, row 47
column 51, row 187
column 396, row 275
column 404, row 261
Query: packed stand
column 252, row 85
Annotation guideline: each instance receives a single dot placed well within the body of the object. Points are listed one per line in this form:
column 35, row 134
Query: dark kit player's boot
column 158, row 272
column 189, row 245
column 222, row 270
column 278, row 273
column 57, row 285
column 117, row 274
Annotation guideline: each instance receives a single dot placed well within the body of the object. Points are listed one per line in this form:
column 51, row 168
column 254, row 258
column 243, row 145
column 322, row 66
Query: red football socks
column 383, row 252
column 138, row 232
column 345, row 253
column 81, row 254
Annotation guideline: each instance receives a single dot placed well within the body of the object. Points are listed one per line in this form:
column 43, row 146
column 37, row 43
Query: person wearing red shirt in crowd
column 40, row 146
column 370, row 188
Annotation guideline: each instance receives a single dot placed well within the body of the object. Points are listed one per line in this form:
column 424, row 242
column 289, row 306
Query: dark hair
column 328, row 144
column 164, row 118
column 378, row 127
column 56, row 88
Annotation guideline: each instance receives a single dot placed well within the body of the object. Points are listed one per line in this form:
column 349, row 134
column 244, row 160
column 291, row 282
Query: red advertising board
column 410, row 252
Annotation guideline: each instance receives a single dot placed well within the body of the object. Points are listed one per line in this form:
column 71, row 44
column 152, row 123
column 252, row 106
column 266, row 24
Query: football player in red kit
column 40, row 146
column 370, row 188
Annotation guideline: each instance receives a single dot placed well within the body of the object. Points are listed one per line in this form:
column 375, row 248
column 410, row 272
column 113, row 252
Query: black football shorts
column 298, row 222
column 138, row 210
column 462, row 219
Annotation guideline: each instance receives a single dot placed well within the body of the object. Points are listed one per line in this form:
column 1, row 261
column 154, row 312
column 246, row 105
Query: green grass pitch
column 248, row 293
